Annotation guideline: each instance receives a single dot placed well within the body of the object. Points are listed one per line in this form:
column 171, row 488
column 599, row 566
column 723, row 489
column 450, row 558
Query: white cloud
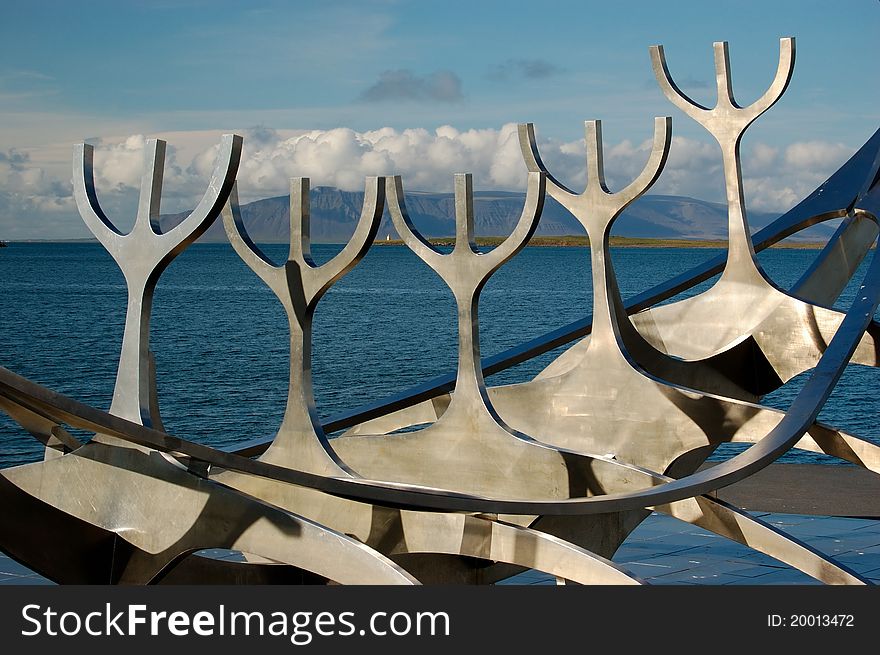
column 808, row 155
column 343, row 157
column 775, row 179
column 27, row 191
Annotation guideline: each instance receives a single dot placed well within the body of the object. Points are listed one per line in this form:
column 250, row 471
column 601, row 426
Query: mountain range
column 334, row 214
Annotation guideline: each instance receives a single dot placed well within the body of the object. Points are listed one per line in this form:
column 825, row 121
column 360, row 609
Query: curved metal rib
column 87, row 198
column 53, row 436
column 827, row 277
column 499, row 541
column 670, row 89
column 529, row 148
column 212, row 201
column 828, row 440
column 150, row 197
column 249, row 252
column 288, row 538
column 525, row 226
column 364, row 234
column 780, row 82
column 404, row 225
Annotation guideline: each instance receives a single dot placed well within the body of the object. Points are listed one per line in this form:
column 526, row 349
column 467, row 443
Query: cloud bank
column 34, row 203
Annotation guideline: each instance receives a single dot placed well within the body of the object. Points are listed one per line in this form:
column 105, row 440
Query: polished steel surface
column 482, row 454
column 552, row 474
column 301, row 443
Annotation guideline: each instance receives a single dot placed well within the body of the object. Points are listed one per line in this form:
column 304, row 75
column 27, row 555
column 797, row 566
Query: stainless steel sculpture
column 552, row 474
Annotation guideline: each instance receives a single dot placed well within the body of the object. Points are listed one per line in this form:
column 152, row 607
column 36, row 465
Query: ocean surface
column 221, row 339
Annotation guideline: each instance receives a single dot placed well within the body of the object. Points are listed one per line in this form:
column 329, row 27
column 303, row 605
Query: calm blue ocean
column 221, row 341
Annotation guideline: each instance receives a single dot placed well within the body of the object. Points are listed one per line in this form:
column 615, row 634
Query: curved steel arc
column 500, row 541
column 53, row 436
column 827, row 277
column 164, row 512
column 828, row 440
column 514, row 544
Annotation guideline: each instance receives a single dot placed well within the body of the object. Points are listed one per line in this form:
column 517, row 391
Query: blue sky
column 337, row 90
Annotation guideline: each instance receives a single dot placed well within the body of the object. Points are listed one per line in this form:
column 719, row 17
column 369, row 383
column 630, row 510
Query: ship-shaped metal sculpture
column 484, row 482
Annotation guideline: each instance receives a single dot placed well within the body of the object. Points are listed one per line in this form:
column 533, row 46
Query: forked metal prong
column 726, row 103
column 525, row 227
column 212, row 201
column 532, row 157
column 727, row 122
column 143, row 254
column 244, row 246
column 465, row 279
column 86, row 196
column 406, row 230
column 299, row 284
column 365, row 232
column 597, row 207
column 150, row 198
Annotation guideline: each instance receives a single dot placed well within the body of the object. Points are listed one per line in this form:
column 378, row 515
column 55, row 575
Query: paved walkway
column 665, row 551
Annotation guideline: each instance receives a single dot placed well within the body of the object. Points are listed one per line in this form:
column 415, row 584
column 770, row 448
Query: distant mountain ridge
column 334, row 214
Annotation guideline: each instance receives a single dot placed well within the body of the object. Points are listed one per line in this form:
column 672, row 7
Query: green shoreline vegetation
column 616, row 242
